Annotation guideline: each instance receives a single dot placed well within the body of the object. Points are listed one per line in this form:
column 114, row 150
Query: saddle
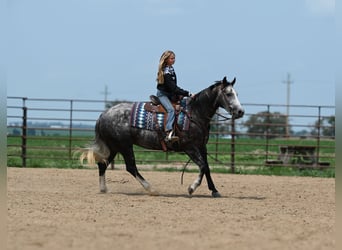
column 155, row 105
column 152, row 115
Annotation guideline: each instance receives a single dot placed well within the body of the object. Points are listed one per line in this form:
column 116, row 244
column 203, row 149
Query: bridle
column 226, row 118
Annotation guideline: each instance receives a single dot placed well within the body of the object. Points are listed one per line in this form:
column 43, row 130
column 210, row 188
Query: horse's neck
column 205, row 106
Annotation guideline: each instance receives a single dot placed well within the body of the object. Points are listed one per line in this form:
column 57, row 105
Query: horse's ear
column 234, row 80
column 225, row 82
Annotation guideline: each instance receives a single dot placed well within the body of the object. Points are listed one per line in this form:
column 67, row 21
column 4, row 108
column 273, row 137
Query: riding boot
column 170, row 137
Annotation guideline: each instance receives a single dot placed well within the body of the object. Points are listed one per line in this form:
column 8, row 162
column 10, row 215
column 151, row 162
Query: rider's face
column 171, row 60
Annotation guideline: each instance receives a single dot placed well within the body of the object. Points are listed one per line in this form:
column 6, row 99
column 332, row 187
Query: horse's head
column 227, row 98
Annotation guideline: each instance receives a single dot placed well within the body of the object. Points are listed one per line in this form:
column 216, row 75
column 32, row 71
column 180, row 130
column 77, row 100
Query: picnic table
column 297, row 155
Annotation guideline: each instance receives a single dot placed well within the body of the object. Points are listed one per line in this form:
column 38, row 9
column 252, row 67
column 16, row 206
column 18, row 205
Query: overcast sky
column 73, row 48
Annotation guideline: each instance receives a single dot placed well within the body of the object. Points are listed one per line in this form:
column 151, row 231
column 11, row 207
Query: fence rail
column 42, row 130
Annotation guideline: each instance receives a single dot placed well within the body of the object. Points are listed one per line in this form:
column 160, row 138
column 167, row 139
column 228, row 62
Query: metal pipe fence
column 48, row 132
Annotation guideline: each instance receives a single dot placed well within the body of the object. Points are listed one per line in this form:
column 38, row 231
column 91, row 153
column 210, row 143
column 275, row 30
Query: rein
column 187, row 163
column 184, row 170
column 226, row 118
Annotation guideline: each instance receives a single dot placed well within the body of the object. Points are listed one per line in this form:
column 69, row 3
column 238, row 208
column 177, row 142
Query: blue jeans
column 165, row 101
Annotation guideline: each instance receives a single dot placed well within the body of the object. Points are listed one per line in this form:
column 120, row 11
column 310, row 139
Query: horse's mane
column 205, row 93
column 210, row 88
column 215, row 84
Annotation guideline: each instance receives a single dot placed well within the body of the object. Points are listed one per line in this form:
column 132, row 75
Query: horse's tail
column 97, row 152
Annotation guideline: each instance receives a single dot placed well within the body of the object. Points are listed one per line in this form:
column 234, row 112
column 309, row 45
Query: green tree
column 266, row 123
column 326, row 126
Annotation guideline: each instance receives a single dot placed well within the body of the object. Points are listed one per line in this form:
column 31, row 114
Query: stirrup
column 170, row 137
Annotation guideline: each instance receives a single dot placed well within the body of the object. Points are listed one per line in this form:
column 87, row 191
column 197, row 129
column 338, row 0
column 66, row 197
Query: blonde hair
column 162, row 64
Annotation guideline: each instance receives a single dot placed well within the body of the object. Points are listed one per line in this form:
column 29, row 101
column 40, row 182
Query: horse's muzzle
column 238, row 113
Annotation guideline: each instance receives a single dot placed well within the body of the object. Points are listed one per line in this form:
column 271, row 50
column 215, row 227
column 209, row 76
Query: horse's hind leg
column 131, row 167
column 102, row 173
column 102, row 176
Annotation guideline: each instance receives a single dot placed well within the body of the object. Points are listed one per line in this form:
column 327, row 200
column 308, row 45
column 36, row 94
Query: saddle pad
column 184, row 117
column 141, row 118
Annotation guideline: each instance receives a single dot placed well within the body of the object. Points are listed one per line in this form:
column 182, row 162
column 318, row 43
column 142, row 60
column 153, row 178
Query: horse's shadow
column 202, row 196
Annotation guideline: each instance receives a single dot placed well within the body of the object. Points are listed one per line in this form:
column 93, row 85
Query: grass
column 250, row 155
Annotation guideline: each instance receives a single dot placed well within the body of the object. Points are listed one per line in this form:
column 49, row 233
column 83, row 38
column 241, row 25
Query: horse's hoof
column 153, row 193
column 103, row 191
column 190, row 190
column 216, row 194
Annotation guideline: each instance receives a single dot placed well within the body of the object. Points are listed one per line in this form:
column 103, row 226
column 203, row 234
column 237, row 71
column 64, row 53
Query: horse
column 114, row 134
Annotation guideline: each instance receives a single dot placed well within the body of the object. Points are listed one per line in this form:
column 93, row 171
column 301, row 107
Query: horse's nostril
column 241, row 113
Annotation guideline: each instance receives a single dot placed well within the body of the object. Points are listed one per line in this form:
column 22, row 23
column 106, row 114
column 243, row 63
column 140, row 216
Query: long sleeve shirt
column 170, row 83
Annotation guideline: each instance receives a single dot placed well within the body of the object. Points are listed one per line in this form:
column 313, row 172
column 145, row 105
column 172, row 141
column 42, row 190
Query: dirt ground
column 63, row 209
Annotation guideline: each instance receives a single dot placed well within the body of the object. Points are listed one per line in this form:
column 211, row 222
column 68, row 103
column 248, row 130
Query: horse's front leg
column 195, row 184
column 211, row 184
column 200, row 158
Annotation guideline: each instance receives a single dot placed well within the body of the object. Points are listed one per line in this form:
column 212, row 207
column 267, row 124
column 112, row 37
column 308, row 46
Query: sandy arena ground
column 63, row 209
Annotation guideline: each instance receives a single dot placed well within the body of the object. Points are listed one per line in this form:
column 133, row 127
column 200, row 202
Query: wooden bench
column 298, row 155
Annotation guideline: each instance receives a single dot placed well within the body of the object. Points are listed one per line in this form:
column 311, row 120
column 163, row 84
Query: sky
column 73, row 48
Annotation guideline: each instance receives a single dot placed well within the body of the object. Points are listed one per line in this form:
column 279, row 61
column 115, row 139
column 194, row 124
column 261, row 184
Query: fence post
column 24, row 134
column 232, row 147
column 70, row 128
column 318, row 134
column 267, row 131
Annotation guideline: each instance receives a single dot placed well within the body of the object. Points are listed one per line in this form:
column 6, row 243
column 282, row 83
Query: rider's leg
column 165, row 101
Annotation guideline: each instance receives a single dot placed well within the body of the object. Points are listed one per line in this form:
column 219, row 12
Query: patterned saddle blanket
column 143, row 117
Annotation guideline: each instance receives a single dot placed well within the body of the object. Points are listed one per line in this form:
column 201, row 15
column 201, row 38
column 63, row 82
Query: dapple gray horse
column 114, row 134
